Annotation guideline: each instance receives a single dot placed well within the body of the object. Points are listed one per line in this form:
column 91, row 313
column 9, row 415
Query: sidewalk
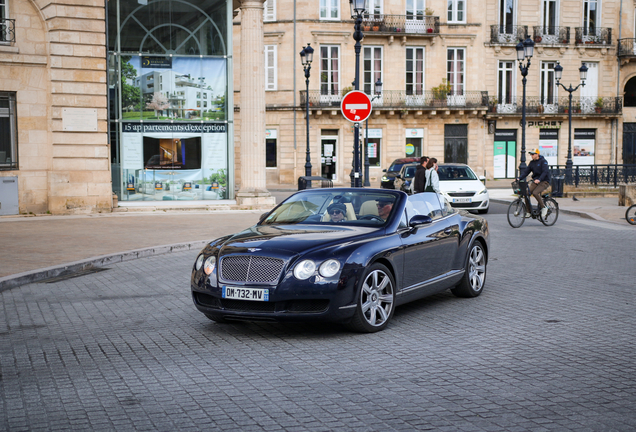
column 34, row 248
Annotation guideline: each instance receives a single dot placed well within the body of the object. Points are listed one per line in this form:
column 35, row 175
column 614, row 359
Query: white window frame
column 329, row 6
column 505, row 35
column 457, row 94
column 329, row 96
column 10, row 159
column 506, row 79
column 586, row 18
column 269, row 10
column 547, row 76
column 453, row 12
column 415, row 16
column 271, row 69
column 369, row 87
column 417, row 96
column 376, row 7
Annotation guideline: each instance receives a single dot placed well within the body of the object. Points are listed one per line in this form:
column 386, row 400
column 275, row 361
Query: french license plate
column 254, row 294
column 461, row 200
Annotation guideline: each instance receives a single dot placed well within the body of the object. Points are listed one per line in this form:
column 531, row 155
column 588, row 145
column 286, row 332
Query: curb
column 19, row 279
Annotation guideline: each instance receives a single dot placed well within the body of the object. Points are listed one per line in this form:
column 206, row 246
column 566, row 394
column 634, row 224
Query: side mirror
column 398, row 176
column 384, row 170
column 420, row 220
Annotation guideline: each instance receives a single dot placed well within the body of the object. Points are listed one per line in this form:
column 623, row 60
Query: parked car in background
column 463, row 188
column 342, row 255
column 388, row 177
column 404, row 180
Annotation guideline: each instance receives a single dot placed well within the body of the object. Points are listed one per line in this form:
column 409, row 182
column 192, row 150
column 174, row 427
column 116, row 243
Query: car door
column 429, row 250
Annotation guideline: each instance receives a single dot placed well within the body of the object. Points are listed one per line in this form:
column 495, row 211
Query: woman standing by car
column 432, row 179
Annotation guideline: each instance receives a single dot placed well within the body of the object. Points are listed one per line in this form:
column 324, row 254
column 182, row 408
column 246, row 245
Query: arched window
column 630, row 93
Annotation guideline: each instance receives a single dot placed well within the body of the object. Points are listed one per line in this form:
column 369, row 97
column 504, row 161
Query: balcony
column 627, row 49
column 593, row 36
column 7, row 31
column 507, row 34
column 400, row 100
column 423, row 25
column 551, row 35
column 535, row 106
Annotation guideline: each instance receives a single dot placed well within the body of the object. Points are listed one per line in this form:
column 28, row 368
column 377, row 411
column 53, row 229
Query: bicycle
column 630, row 215
column 518, row 208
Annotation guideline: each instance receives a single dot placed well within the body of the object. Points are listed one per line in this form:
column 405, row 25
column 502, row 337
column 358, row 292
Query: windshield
column 456, row 173
column 334, row 207
column 396, row 167
column 409, row 171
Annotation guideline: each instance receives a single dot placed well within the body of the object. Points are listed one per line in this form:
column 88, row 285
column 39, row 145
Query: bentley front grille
column 247, row 268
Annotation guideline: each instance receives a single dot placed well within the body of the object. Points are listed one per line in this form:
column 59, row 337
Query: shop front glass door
column 328, row 158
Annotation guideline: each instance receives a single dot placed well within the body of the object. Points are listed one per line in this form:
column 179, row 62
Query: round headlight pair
column 199, row 262
column 306, row 268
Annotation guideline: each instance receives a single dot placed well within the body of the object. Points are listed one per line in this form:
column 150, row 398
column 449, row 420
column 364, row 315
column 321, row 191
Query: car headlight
column 329, row 268
column 385, row 178
column 483, row 191
column 209, row 264
column 199, row 262
column 304, row 269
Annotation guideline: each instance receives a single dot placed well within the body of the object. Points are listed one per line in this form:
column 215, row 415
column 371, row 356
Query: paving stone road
column 549, row 346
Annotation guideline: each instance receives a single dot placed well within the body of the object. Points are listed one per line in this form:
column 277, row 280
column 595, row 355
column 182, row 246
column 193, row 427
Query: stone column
column 253, row 191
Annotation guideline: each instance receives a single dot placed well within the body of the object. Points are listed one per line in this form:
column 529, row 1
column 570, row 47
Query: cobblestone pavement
column 549, row 346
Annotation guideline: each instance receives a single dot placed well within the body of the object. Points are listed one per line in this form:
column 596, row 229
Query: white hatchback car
column 462, row 188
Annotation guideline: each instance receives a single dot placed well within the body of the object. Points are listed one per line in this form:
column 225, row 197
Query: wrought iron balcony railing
column 7, row 30
column 551, row 35
column 507, row 34
column 593, row 36
column 399, row 99
column 552, row 106
column 605, row 175
column 627, row 47
column 411, row 24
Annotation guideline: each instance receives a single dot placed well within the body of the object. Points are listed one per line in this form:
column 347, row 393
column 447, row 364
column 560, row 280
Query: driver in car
column 384, row 207
column 337, row 212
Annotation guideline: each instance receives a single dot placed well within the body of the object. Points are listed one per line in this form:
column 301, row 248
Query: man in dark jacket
column 540, row 178
column 419, row 181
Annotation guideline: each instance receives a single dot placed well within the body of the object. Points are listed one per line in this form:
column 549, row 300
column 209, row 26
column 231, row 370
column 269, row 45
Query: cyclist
column 540, row 178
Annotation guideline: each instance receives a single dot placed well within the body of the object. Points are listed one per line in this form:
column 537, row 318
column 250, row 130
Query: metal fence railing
column 505, row 34
column 593, row 35
column 597, row 175
column 400, row 99
column 551, row 35
column 626, row 47
column 7, row 30
column 412, row 24
column 581, row 105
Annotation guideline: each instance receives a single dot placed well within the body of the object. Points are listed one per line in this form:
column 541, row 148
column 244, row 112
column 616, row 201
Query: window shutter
column 269, row 10
column 270, row 67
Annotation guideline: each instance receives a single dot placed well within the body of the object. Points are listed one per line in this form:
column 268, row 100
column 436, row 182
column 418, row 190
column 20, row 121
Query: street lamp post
column 306, row 57
column 378, row 91
column 525, row 50
column 358, row 7
column 558, row 73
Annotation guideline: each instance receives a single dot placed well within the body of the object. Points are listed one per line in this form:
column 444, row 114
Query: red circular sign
column 356, row 106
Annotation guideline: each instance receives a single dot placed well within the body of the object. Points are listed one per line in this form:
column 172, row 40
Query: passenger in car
column 337, row 212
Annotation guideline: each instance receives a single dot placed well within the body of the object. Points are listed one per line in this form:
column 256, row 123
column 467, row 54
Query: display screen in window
column 373, row 150
column 172, row 153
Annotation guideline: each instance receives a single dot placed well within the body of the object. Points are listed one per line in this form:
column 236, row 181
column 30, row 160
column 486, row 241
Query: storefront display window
column 168, row 89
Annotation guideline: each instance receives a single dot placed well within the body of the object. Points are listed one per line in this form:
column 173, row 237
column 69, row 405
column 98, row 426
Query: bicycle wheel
column 516, row 213
column 553, row 212
column 630, row 215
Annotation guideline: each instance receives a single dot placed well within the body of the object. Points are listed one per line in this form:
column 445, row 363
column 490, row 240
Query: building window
column 591, row 16
column 548, row 87
column 270, row 153
column 456, row 11
column 550, row 10
column 8, row 131
column 270, row 67
column 375, row 9
column 269, row 10
column 372, row 68
column 330, row 9
column 505, row 82
column 455, row 58
column 506, row 16
column 329, row 70
column 415, row 71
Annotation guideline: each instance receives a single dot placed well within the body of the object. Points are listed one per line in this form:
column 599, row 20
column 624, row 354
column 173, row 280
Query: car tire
column 216, row 318
column 376, row 300
column 474, row 278
column 483, row 211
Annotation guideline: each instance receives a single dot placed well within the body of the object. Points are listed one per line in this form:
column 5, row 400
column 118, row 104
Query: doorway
column 328, row 158
column 456, row 143
column 505, row 153
column 629, row 143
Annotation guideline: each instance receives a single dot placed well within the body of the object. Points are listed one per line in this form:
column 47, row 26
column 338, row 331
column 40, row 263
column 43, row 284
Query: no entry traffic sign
column 356, row 106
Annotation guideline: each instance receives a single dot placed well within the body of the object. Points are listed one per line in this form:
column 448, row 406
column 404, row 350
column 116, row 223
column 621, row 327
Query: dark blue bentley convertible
column 345, row 255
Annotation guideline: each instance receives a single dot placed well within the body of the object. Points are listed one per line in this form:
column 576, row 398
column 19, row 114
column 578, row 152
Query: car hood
column 460, row 185
column 291, row 239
